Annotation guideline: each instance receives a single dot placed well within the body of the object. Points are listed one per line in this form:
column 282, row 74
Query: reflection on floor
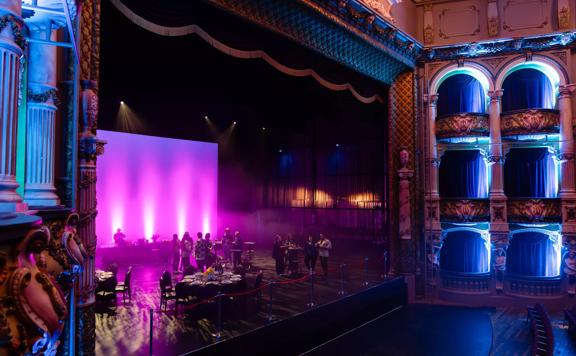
column 125, row 331
column 418, row 329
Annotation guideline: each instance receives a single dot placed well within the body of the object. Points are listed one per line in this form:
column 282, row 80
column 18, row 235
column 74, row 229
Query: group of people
column 286, row 252
column 203, row 250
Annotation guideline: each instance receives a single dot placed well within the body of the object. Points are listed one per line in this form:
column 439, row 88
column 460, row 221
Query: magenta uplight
column 155, row 186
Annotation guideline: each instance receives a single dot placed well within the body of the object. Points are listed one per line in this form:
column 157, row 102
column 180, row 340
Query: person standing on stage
column 186, row 246
column 310, row 254
column 175, row 253
column 278, row 255
column 210, row 257
column 119, row 238
column 200, row 252
column 324, row 246
column 227, row 244
column 237, row 250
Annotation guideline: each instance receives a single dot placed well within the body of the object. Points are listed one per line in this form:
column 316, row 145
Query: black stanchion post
column 385, row 258
column 218, row 334
column 151, row 328
column 365, row 271
column 342, row 291
column 270, row 301
column 311, row 304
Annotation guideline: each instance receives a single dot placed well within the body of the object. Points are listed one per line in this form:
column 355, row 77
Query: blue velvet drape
column 463, row 174
column 530, row 173
column 460, row 93
column 464, row 252
column 532, row 254
column 527, row 89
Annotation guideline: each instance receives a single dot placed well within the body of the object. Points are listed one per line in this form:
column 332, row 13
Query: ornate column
column 11, row 44
column 432, row 164
column 39, row 187
column 90, row 147
column 432, row 227
column 499, row 229
column 567, row 189
column 405, row 211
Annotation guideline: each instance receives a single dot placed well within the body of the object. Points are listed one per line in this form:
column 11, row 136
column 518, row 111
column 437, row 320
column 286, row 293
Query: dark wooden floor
column 126, row 331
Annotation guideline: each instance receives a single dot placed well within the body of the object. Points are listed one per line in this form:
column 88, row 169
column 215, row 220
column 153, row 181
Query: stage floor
column 417, row 330
column 126, row 331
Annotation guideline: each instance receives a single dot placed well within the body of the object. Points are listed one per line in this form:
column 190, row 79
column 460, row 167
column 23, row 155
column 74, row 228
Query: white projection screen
column 155, row 186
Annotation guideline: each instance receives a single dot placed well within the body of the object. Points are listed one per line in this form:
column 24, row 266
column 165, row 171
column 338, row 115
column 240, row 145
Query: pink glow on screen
column 153, row 185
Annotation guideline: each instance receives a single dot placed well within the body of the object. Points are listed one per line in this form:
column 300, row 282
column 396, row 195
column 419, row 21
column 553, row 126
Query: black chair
column 106, row 294
column 126, row 286
column 166, row 291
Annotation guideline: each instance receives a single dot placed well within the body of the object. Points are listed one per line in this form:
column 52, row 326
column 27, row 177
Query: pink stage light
column 155, row 186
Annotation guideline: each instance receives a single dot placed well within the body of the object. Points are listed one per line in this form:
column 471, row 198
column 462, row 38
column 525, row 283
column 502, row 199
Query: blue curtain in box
column 527, row 89
column 464, row 252
column 532, row 254
column 530, row 173
column 463, row 175
column 460, row 93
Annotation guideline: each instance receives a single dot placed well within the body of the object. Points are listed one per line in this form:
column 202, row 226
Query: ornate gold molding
column 530, row 121
column 463, row 124
column 465, row 210
column 533, row 210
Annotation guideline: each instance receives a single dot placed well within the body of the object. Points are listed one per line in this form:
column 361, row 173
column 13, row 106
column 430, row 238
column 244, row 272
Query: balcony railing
column 528, row 210
column 462, row 125
column 533, row 287
column 466, row 283
column 464, row 210
column 529, row 122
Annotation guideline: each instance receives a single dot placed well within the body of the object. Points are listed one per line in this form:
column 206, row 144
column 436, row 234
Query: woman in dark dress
column 310, row 254
column 278, row 255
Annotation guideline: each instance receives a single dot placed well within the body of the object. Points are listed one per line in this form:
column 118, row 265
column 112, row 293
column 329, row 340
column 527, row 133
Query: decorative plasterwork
column 525, row 14
column 533, row 210
column 428, row 25
column 464, row 210
column 459, row 22
column 561, row 55
column 382, row 7
column 16, row 26
column 463, row 124
column 500, row 47
column 563, row 14
column 530, row 122
column 493, row 18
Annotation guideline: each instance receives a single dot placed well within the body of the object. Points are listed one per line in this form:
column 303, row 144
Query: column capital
column 565, row 91
column 495, row 95
column 431, row 99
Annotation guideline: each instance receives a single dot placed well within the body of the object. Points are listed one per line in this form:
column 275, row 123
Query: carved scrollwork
column 16, row 26
column 534, row 210
column 463, row 124
column 465, row 210
column 530, row 122
column 32, row 308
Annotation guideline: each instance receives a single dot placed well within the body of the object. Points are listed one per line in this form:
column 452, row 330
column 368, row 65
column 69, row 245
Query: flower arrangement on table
column 210, row 274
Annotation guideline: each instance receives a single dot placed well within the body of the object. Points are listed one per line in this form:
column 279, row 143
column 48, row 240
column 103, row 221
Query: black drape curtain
column 240, row 34
column 532, row 254
column 527, row 89
column 460, row 93
column 463, row 174
column 464, row 252
column 529, row 173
